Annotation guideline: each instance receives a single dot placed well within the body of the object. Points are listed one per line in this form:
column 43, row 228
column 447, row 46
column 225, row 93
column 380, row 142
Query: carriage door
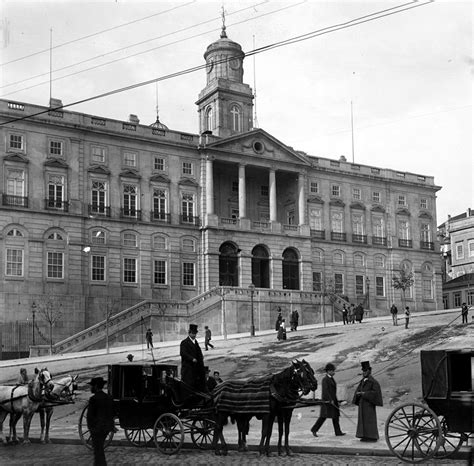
column 291, row 273
column 260, row 267
column 228, row 270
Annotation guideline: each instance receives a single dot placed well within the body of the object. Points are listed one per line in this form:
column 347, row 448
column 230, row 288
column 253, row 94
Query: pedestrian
column 23, row 377
column 394, row 312
column 210, row 381
column 351, row 314
column 282, row 331
column 344, row 314
column 217, row 377
column 292, row 321
column 100, row 418
column 367, row 396
column 207, row 338
column 130, row 357
column 149, row 339
column 407, row 316
column 278, row 320
column 330, row 409
column 296, row 319
column 464, row 312
column 192, row 362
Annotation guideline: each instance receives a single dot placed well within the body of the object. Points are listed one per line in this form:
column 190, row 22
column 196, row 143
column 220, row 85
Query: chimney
column 342, row 158
column 133, row 119
column 55, row 103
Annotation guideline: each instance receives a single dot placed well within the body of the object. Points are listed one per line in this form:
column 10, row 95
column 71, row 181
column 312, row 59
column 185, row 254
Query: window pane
column 55, row 265
column 129, row 270
column 98, row 268
column 379, row 286
column 188, row 273
column 160, row 272
column 14, row 263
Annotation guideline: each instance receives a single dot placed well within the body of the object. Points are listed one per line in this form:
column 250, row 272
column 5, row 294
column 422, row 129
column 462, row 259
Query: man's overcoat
column 329, row 393
column 192, row 373
column 367, row 419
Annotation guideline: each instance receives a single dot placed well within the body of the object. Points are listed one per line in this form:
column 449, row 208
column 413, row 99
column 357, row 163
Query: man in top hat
column 192, row 361
column 331, row 408
column 100, row 418
column 367, row 396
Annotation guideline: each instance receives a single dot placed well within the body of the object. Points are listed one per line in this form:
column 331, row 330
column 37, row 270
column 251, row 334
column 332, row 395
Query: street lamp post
column 367, row 279
column 33, row 310
column 252, row 324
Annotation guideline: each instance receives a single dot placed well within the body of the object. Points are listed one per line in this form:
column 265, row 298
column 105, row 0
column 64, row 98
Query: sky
column 408, row 75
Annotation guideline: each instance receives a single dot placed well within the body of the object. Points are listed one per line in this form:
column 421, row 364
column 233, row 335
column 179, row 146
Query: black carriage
column 154, row 409
column 438, row 426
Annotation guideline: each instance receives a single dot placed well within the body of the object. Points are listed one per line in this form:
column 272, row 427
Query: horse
column 61, row 393
column 23, row 400
column 264, row 397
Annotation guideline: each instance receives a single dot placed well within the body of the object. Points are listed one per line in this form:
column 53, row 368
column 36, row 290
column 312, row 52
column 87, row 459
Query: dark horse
column 265, row 398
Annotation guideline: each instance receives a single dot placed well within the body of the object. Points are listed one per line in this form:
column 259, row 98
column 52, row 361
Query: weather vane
column 223, row 33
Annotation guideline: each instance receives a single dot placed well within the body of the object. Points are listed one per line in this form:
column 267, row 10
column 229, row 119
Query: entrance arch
column 260, row 267
column 228, row 265
column 291, row 270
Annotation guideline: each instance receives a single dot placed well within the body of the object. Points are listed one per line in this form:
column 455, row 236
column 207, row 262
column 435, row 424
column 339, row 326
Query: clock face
column 235, row 63
column 210, row 66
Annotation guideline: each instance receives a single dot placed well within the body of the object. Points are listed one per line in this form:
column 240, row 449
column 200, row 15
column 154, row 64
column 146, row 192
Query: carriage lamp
column 33, row 310
column 252, row 323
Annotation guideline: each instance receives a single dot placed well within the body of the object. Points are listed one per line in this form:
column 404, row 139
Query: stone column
column 301, row 200
column 209, row 187
column 272, row 195
column 242, row 192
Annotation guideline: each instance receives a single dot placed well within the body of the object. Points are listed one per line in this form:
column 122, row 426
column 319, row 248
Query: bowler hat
column 330, row 367
column 365, row 366
column 98, row 382
column 193, row 328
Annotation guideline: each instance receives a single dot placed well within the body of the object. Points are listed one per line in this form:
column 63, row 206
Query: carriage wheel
column 84, row 432
column 413, row 432
column 139, row 437
column 168, row 433
column 451, row 441
column 202, row 433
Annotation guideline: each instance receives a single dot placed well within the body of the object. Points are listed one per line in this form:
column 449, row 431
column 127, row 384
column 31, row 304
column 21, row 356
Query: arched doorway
column 291, row 271
column 228, row 265
column 260, row 267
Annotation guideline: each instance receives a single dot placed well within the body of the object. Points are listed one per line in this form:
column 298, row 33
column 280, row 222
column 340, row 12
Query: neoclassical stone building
column 95, row 209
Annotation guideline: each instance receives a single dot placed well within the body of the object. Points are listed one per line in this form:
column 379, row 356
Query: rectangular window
column 338, row 283
column 457, row 299
column 427, row 289
column 337, row 222
column 130, row 159
column 234, row 213
column 315, row 219
column 56, row 148
column 359, row 285
column 317, row 282
column 159, row 272
column 356, row 194
column 56, row 191
column 16, row 142
column 99, row 197
column 358, row 224
column 470, row 247
column 14, row 263
column 55, row 265
column 378, row 229
column 235, row 186
column 313, row 187
column 425, row 232
column 188, row 274
column 264, row 191
column 98, row 268
column 376, row 196
column 290, row 217
column 187, row 168
column 129, row 270
column 403, row 229
column 130, row 200
column 459, row 251
column 423, row 203
column 159, row 164
column 15, row 186
column 335, row 190
column 160, row 203
column 98, row 154
column 380, row 287
column 402, row 200
column 187, row 207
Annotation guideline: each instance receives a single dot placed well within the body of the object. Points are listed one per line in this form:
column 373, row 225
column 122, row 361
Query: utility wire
column 96, row 33
column 327, row 30
column 125, row 48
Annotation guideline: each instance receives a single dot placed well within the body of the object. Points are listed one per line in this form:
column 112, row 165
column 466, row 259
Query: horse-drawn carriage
column 437, row 427
column 153, row 408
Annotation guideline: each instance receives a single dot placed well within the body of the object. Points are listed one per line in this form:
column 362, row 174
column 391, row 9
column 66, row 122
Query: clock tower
column 225, row 105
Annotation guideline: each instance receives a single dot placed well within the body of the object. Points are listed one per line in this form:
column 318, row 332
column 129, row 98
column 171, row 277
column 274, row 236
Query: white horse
column 62, row 393
column 23, row 400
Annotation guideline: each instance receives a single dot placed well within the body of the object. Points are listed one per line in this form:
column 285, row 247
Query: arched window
column 189, row 245
column 338, row 257
column 98, row 236
column 291, row 272
column 379, row 261
column 209, row 123
column 159, row 242
column 55, row 236
column 236, row 118
column 130, row 239
column 260, row 267
column 228, row 265
column 15, row 232
column 359, row 260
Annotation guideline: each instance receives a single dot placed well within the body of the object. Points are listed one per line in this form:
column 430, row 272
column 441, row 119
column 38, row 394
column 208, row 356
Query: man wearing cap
column 367, row 396
column 211, row 382
column 192, row 361
column 100, row 418
column 331, row 408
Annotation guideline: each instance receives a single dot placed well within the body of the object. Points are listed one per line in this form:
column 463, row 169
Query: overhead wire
column 354, row 22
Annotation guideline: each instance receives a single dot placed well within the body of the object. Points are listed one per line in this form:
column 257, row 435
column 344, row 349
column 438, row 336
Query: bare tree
column 50, row 309
column 403, row 282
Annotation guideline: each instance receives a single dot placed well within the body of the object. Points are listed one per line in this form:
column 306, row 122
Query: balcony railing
column 228, row 220
column 359, row 239
column 318, row 234
column 261, row 225
column 189, row 219
column 405, row 243
column 427, row 245
column 17, row 201
column 336, row 236
column 379, row 240
column 160, row 217
column 131, row 213
column 52, row 204
column 95, row 209
column 290, row 227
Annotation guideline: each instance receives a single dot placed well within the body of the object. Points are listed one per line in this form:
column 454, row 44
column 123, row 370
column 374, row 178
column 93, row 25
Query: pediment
column 101, row 170
column 160, row 179
column 15, row 157
column 425, row 215
column 403, row 211
column 260, row 144
column 357, row 205
column 378, row 208
column 130, row 174
column 187, row 182
column 337, row 202
column 315, row 200
column 56, row 163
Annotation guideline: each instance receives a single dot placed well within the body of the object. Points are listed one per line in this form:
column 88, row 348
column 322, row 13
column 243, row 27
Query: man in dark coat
column 100, row 418
column 331, row 408
column 211, row 382
column 192, row 361
column 296, row 318
column 394, row 312
column 367, row 396
column 149, row 339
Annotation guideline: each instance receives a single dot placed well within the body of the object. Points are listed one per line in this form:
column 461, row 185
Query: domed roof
column 223, row 43
column 158, row 125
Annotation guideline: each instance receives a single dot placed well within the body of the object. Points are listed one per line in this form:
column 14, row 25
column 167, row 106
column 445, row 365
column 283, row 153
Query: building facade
column 96, row 210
